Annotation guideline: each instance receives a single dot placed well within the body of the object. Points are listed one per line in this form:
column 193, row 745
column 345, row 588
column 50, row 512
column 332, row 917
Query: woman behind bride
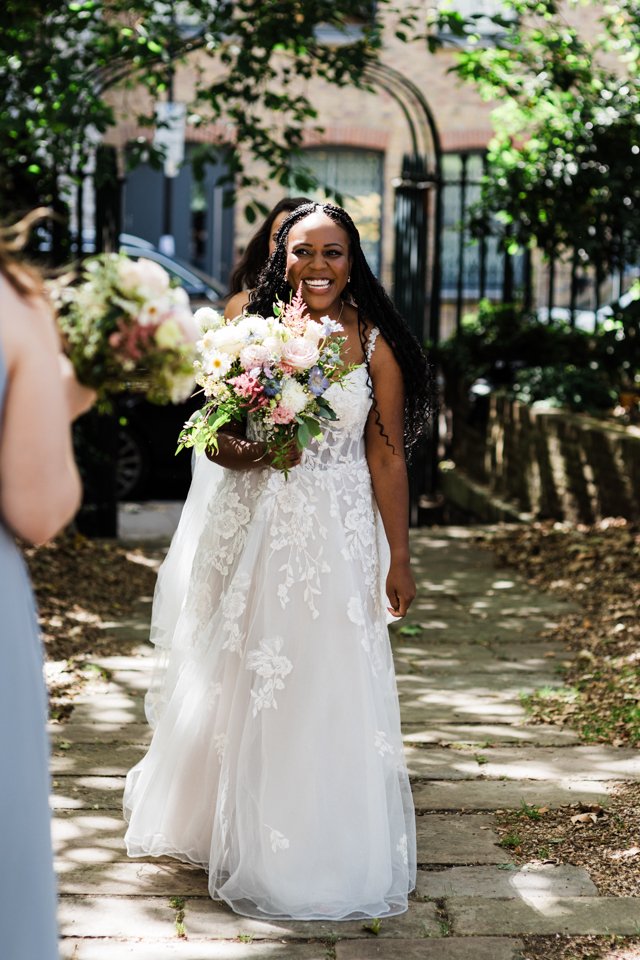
column 276, row 762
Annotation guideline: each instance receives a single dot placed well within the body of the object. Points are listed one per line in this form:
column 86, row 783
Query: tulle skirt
column 276, row 762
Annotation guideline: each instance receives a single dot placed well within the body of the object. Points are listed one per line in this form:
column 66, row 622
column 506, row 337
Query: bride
column 276, row 762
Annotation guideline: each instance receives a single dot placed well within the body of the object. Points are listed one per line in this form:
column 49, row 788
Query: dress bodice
column 342, row 443
column 351, row 399
column 343, row 440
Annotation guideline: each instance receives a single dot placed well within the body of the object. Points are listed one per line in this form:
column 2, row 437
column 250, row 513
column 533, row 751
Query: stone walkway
column 469, row 750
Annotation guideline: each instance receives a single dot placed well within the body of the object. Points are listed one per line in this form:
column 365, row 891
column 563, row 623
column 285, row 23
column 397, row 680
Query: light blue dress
column 27, row 887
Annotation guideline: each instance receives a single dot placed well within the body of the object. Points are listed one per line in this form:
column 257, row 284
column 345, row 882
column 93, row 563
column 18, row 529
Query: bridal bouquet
column 272, row 370
column 124, row 327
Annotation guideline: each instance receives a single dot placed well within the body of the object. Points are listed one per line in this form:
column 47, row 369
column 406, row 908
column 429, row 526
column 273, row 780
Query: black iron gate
column 415, row 193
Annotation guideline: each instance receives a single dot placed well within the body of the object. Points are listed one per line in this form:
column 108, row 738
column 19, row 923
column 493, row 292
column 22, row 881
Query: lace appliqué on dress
column 270, row 664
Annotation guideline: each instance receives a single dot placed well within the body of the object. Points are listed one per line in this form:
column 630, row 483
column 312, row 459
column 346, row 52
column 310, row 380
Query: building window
column 470, row 270
column 483, row 25
column 357, row 176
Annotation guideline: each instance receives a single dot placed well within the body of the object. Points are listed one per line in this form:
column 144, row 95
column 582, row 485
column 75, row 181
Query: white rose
column 179, row 296
column 128, row 275
column 208, row 319
column 229, row 339
column 188, row 325
column 294, row 397
column 253, row 326
column 314, row 332
column 144, row 278
column 254, row 355
column 274, row 347
column 169, row 335
column 300, row 353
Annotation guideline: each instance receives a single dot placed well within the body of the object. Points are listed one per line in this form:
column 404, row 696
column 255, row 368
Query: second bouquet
column 270, row 371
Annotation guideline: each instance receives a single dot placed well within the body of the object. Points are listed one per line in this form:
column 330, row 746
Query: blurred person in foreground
column 40, row 492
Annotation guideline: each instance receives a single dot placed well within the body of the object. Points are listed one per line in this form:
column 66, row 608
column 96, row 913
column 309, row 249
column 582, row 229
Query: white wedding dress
column 276, row 762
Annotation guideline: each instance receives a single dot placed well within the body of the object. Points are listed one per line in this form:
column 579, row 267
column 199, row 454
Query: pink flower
column 282, row 415
column 294, row 315
column 300, row 353
column 251, row 389
column 254, row 355
column 246, row 385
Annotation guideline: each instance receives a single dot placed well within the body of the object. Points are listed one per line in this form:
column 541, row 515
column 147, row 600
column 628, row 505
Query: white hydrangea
column 294, row 396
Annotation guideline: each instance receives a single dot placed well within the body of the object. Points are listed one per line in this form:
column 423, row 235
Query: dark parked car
column 202, row 289
column 148, row 433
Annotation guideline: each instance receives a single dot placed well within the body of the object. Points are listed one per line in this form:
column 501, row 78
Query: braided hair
column 374, row 307
column 256, row 253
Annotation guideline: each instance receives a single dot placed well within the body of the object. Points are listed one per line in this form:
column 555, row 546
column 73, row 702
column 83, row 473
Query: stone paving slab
column 116, row 917
column 508, row 794
column 598, row 762
column 545, row 915
column 102, row 733
column 110, row 949
column 450, row 839
column 506, row 630
column 425, row 733
column 140, row 660
column 132, row 878
column 442, row 839
column 105, row 793
column 537, row 651
column 109, row 709
column 96, row 759
column 515, row 883
column 81, row 837
column 488, row 734
column 413, row 710
column 485, row 664
column 207, row 918
column 87, row 793
column 453, row 948
column 476, row 684
column 433, row 763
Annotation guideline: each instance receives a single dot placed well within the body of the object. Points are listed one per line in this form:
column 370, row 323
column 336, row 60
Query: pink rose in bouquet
column 274, row 370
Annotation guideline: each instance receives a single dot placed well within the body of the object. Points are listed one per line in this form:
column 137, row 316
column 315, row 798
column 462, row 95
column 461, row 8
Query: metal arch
column 418, row 114
column 407, row 94
column 421, row 171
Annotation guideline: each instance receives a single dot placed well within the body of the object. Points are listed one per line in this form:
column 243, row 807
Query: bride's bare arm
column 387, row 465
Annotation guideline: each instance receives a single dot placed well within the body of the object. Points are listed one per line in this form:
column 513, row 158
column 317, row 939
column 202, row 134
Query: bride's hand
column 401, row 588
column 290, row 457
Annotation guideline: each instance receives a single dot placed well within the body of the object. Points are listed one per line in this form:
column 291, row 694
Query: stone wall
column 549, row 463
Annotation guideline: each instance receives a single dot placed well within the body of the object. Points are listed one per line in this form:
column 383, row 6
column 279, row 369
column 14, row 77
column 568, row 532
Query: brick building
column 359, row 152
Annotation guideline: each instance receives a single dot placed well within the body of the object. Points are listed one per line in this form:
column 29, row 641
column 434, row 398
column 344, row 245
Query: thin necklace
column 340, row 314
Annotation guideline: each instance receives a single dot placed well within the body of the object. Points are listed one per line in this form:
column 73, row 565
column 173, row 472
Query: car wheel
column 132, row 467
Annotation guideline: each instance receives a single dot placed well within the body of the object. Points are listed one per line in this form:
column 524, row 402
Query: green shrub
column 550, row 362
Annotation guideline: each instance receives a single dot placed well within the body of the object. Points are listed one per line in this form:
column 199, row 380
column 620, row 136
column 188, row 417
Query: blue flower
column 330, row 326
column 318, row 383
column 272, row 388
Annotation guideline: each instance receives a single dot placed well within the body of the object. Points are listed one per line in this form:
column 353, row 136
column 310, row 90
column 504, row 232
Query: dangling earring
column 349, row 279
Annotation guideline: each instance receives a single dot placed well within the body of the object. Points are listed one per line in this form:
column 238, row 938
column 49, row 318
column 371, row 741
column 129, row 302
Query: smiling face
column 318, row 258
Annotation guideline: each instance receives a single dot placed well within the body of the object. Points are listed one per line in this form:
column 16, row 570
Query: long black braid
column 375, row 308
